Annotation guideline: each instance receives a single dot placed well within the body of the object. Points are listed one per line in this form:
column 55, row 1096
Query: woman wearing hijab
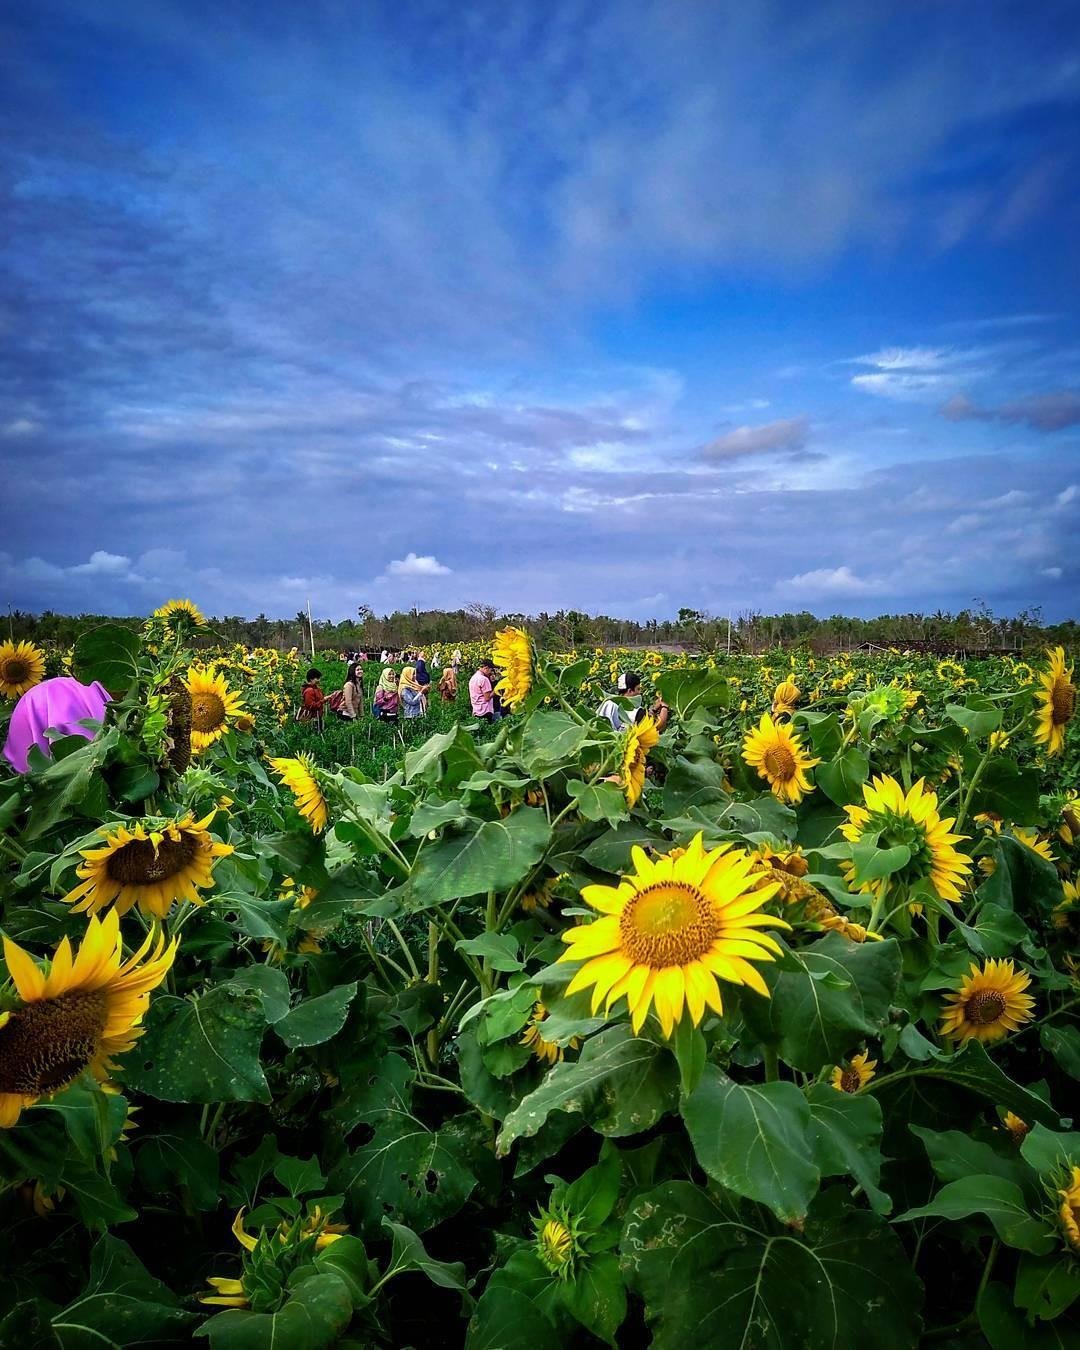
column 60, row 706
column 413, row 694
column 386, row 696
column 422, row 677
column 448, row 685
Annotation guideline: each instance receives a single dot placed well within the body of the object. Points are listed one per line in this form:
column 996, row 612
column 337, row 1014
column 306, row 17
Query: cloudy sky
column 614, row 304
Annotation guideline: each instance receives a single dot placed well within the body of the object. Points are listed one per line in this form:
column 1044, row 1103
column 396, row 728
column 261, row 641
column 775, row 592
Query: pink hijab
column 58, row 705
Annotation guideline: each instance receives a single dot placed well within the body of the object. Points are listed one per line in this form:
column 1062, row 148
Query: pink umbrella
column 54, row 705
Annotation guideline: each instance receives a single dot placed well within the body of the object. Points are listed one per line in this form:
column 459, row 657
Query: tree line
column 977, row 628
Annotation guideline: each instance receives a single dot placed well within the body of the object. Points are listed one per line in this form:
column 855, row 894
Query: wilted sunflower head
column 1069, row 1212
column 785, row 696
column 907, row 819
column 777, row 753
column 853, row 1076
column 1055, row 706
column 989, row 1004
column 547, row 1052
column 77, row 1015
column 512, row 653
column 22, row 665
column 152, row 863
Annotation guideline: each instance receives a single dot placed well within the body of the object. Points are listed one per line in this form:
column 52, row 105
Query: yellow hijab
column 408, row 680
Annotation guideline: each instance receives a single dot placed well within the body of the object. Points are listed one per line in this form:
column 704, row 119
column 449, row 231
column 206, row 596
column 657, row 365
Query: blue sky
column 621, row 306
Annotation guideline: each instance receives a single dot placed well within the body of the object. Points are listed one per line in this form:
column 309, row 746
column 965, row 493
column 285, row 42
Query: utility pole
column 729, row 633
column 310, row 629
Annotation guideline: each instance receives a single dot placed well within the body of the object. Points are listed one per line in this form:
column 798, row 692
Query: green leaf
column 201, row 1049
column 813, row 1019
column 317, row 1019
column 501, row 949
column 1050, row 1153
column 824, row 730
column 406, row 1172
column 716, row 1273
column 300, row 1176
column 841, row 779
column 873, row 863
column 1001, row 1201
column 1006, row 1328
column 591, row 1198
column 611, row 852
column 444, row 759
column 622, row 1083
column 596, row 1296
column 954, row 1155
column 319, row 1308
column 845, row 1128
column 488, row 856
column 264, row 920
column 694, row 782
column 550, row 738
column 122, row 1305
column 1046, row 1285
column 1008, row 791
column 755, row 1140
column 979, row 717
column 270, row 984
column 687, row 690
column 506, row 1319
column 599, row 801
column 409, row 1253
column 109, row 654
column 168, row 1161
column 690, row 1051
column 1021, row 880
column 972, row 1068
column 1064, row 1044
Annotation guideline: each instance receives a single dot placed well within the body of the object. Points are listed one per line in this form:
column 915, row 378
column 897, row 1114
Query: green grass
column 377, row 748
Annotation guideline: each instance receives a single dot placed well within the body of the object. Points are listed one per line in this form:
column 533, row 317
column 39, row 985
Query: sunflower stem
column 772, row 1064
column 433, row 978
column 995, row 1247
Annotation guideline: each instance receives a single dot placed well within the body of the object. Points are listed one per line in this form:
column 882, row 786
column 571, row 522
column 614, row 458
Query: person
column 412, row 693
column 455, row 660
column 422, row 676
column 313, row 699
column 448, row 685
column 60, row 706
column 482, row 689
column 387, row 702
column 629, row 691
column 349, row 699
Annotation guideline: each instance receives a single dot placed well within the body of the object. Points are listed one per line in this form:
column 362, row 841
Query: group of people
column 395, row 696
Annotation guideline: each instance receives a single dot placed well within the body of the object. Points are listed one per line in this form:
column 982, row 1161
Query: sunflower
column 151, row 863
column 85, row 1010
column 787, row 867
column 854, row 1076
column 286, row 1246
column 1018, row 1129
column 512, row 653
column 547, row 1052
column 785, row 697
column 213, row 706
column 989, row 1003
column 1070, row 1210
column 1031, row 840
column 1056, row 705
column 670, row 929
column 298, row 775
column 178, row 615
column 854, row 932
column 777, row 753
column 638, row 739
column 910, row 819
column 22, row 666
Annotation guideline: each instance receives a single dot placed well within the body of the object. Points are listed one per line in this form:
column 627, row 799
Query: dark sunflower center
column 779, row 763
column 207, row 711
column 47, row 1044
column 140, row 864
column 668, row 924
column 1062, row 702
column 16, row 669
column 850, row 1080
column 985, row 1006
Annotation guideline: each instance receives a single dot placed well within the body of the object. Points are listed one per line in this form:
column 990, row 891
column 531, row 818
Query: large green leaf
column 317, row 1019
column 611, row 851
column 694, row 782
column 201, row 1049
column 622, row 1083
column 108, row 654
column 972, row 1068
column 688, row 690
column 1006, row 1327
column 122, row 1305
column 548, row 739
column 319, row 1308
column 846, row 1131
column 507, row 1319
column 819, row 1014
column 1009, row 792
column 1001, row 1201
column 714, row 1273
column 841, row 779
column 755, row 1140
column 488, row 856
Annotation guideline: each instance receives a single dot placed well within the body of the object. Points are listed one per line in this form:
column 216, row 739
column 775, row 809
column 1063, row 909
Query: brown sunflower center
column 780, row 763
column 47, row 1044
column 15, row 669
column 207, row 711
column 850, row 1080
column 668, row 924
column 1062, row 702
column 139, row 863
column 985, row 1006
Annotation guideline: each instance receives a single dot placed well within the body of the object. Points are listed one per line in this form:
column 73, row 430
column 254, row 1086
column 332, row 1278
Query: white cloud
column 103, row 564
column 1052, row 572
column 22, row 426
column 417, row 565
column 905, row 387
column 1067, row 495
column 830, row 581
column 787, row 434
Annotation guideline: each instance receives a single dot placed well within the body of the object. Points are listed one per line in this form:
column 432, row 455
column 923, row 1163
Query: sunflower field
column 753, row 1023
